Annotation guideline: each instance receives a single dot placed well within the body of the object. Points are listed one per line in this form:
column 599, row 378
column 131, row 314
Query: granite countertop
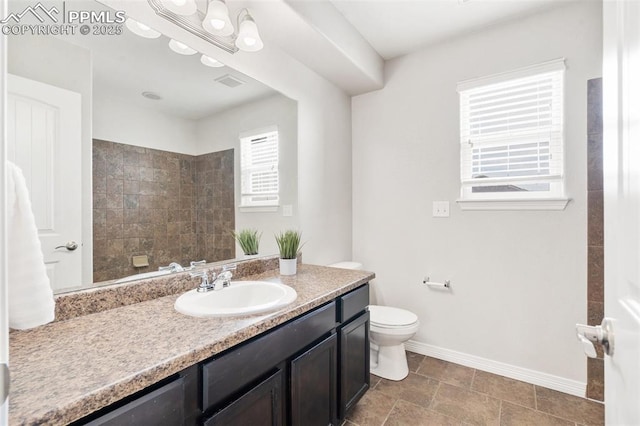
column 65, row 370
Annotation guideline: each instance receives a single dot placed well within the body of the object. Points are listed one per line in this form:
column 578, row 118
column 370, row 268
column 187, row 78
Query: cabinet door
column 313, row 385
column 354, row 362
column 261, row 406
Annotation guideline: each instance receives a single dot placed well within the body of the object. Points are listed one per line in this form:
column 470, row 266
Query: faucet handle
column 202, row 274
column 194, row 263
column 229, row 267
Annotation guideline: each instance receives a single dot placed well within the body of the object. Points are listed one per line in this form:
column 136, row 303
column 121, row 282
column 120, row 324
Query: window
column 259, row 168
column 511, row 135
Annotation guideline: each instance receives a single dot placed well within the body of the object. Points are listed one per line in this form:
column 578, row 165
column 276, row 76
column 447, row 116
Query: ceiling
column 127, row 65
column 397, row 27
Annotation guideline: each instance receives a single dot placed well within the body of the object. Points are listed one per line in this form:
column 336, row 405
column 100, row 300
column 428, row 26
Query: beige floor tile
column 348, row 423
column 569, row 407
column 373, row 381
column 414, row 360
column 466, row 405
column 446, row 372
column 372, row 409
column 405, row 413
column 504, row 388
column 515, row 415
column 414, row 388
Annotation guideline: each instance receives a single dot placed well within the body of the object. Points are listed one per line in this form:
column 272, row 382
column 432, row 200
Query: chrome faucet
column 224, row 277
column 173, row 267
column 220, row 281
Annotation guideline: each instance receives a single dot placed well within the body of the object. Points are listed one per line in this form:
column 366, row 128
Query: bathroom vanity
column 147, row 364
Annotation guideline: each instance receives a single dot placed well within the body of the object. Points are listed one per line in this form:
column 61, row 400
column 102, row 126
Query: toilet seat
column 387, row 317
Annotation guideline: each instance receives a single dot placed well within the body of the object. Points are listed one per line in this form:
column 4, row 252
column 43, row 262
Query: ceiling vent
column 229, row 81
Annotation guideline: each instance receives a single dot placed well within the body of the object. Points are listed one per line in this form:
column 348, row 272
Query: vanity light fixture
column 181, row 7
column 210, row 62
column 215, row 26
column 218, row 23
column 141, row 29
column 181, row 48
column 248, row 38
column 217, row 20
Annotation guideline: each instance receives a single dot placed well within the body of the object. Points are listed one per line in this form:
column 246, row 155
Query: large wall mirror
column 132, row 151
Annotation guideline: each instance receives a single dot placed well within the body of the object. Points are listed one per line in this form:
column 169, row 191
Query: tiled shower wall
column 595, row 249
column 144, row 203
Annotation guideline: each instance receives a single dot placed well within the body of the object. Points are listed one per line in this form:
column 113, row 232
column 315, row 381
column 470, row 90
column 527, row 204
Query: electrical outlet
column 287, row 210
column 440, row 209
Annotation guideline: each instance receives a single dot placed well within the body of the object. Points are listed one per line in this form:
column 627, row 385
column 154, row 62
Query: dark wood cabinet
column 262, row 405
column 308, row 371
column 354, row 362
column 314, row 376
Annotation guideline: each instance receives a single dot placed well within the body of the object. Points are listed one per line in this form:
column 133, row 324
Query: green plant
column 289, row 244
column 249, row 240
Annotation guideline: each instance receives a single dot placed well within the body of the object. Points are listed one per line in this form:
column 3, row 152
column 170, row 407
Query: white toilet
column 389, row 329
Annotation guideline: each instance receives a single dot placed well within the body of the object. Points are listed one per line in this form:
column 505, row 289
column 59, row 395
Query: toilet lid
column 386, row 316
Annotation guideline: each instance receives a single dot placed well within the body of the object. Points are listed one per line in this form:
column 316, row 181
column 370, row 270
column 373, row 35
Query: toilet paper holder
column 445, row 284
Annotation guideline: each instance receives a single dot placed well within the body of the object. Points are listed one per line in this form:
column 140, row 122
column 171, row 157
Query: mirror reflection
column 132, row 152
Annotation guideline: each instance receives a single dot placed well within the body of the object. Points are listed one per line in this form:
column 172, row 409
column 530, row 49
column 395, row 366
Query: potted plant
column 289, row 245
column 249, row 240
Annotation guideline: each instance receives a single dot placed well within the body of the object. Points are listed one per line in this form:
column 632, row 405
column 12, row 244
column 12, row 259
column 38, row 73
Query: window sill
column 521, row 204
column 258, row 209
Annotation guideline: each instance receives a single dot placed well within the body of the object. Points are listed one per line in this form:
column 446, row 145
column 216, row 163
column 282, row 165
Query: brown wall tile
column 145, row 203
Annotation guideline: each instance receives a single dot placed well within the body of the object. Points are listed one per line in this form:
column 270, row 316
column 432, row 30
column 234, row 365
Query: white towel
column 31, row 300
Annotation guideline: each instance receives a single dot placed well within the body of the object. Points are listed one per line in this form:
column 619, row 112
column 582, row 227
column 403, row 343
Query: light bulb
column 181, row 7
column 210, row 62
column 138, row 28
column 181, row 48
column 248, row 37
column 217, row 20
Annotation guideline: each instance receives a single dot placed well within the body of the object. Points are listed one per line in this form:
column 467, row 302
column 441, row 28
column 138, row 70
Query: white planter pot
column 288, row 266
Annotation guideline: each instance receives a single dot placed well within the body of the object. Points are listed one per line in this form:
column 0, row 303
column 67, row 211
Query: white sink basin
column 240, row 298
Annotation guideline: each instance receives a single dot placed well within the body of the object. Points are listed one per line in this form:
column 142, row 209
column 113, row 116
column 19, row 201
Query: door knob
column 71, row 246
column 601, row 334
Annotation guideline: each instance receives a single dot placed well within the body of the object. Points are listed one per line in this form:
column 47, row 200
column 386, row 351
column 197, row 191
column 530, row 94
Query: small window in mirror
column 259, row 168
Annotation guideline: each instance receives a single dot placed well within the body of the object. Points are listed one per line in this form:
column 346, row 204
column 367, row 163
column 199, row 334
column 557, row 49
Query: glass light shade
column 181, row 7
column 217, row 20
column 181, row 48
column 141, row 29
column 248, row 37
column 210, row 62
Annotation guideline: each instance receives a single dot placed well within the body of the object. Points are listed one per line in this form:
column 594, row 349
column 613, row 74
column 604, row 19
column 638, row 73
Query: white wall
column 518, row 278
column 122, row 122
column 61, row 64
column 221, row 131
column 324, row 130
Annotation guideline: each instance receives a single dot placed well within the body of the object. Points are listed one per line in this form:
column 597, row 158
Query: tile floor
column 442, row 393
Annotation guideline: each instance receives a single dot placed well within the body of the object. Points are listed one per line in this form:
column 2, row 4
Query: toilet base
column 391, row 363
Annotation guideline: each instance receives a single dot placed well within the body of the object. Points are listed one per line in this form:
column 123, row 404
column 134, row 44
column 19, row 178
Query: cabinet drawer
column 163, row 406
column 229, row 373
column 353, row 303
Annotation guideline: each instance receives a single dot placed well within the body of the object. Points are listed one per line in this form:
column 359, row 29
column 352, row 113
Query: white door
column 43, row 139
column 4, row 303
column 621, row 84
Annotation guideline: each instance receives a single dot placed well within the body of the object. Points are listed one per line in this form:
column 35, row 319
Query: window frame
column 246, row 202
column 553, row 199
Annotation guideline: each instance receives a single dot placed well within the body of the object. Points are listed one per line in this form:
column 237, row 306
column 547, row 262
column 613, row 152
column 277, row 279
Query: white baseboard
column 550, row 381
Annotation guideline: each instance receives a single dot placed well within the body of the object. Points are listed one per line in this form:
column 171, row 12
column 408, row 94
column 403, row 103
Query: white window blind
column 511, row 134
column 259, row 165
